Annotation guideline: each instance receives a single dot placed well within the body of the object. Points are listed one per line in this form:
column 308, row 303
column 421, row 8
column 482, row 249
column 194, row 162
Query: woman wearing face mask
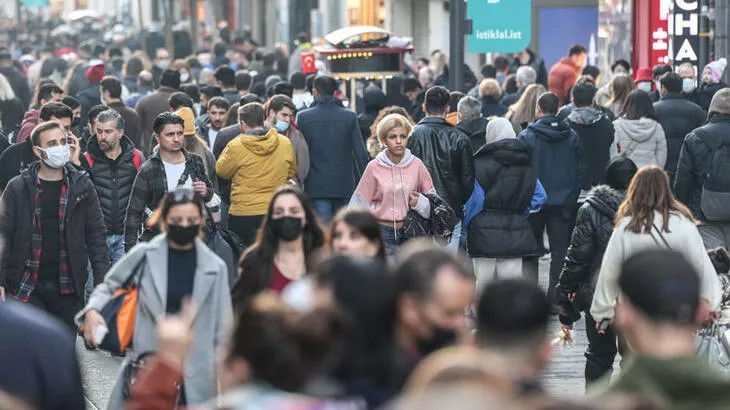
column 287, row 242
column 355, row 232
column 638, row 136
column 394, row 182
column 173, row 266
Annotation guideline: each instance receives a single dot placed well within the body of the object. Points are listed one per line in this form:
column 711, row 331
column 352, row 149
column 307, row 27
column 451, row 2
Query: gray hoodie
column 641, row 140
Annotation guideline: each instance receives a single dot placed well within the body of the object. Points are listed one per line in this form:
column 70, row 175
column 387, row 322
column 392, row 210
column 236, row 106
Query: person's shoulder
column 36, row 324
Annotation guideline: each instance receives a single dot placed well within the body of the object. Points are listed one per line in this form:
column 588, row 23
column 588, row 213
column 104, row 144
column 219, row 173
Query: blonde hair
column 524, row 110
column 391, row 121
column 490, row 88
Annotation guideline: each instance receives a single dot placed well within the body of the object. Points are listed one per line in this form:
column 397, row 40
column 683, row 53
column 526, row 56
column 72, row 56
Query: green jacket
column 682, row 383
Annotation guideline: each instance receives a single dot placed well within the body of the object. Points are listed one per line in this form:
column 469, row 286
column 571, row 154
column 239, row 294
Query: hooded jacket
column 500, row 230
column 642, row 140
column 593, row 228
column 695, row 160
column 476, row 129
column 30, row 120
column 596, row 134
column 385, row 187
column 257, row 164
column 557, row 159
column 678, row 117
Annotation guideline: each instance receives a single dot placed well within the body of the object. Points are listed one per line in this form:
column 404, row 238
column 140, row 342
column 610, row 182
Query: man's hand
column 175, row 334
column 200, row 188
column 2, row 294
column 73, row 144
column 566, row 327
column 92, row 320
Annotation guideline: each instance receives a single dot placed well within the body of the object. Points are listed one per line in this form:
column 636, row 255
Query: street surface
column 564, row 377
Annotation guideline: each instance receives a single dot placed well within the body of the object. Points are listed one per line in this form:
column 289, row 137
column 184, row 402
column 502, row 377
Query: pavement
column 564, row 376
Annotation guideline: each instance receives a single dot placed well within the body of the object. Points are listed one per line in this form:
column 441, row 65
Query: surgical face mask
column 58, row 156
column 644, row 86
column 282, row 126
column 163, row 64
column 688, row 85
column 184, row 77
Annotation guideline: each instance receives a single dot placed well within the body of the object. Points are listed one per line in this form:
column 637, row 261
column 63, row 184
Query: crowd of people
column 288, row 251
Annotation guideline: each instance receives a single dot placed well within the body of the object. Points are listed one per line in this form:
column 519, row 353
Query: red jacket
column 562, row 77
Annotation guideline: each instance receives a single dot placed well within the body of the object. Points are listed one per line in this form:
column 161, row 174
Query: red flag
column 308, row 63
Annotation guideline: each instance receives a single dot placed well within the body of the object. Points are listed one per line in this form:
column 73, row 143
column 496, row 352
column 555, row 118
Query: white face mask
column 57, row 156
column 163, row 64
column 184, row 77
column 688, row 85
column 658, row 85
column 644, row 86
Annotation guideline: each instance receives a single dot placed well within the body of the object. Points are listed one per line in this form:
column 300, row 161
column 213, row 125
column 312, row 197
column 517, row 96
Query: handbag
column 713, row 347
column 120, row 311
column 228, row 246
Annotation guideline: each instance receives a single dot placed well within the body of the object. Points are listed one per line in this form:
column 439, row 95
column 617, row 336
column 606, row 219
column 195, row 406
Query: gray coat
column 211, row 296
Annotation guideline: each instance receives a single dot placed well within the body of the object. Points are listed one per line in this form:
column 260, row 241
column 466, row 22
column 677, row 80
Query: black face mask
column 440, row 338
column 182, row 235
column 75, row 122
column 287, row 228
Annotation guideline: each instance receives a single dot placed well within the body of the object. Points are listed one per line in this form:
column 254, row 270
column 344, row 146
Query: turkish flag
column 308, row 63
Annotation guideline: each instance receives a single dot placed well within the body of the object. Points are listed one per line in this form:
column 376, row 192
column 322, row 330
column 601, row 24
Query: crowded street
column 364, row 204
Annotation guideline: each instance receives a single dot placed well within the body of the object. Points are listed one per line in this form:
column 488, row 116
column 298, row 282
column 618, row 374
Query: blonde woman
column 394, row 182
column 523, row 111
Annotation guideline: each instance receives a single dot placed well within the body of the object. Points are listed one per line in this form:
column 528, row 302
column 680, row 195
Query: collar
column 673, row 96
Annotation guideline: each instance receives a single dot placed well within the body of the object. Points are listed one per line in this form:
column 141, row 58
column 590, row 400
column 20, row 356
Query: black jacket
column 501, row 230
column 476, row 129
column 15, row 159
column 447, row 154
column 704, row 95
column 695, row 158
column 595, row 132
column 374, row 100
column 113, row 180
column 593, row 228
column 537, row 64
column 149, row 187
column 509, row 99
column 88, row 98
column 85, row 232
column 678, row 117
column 565, row 111
column 557, row 158
column 11, row 112
column 492, row 108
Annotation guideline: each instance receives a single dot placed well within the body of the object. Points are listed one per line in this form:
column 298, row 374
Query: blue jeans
column 115, row 244
column 392, row 238
column 455, row 239
column 326, row 208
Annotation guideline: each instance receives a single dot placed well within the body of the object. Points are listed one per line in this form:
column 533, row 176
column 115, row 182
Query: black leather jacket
column 447, row 154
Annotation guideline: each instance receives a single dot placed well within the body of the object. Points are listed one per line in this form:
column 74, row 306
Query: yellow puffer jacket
column 257, row 165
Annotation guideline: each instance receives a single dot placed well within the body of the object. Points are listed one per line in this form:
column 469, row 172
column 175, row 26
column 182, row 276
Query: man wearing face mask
column 258, row 162
column 53, row 226
column 678, row 117
column 168, row 168
column 689, row 81
column 161, row 63
column 280, row 115
column 19, row 156
column 433, row 290
column 111, row 96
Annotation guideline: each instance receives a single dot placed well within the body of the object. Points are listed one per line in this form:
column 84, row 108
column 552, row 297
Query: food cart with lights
column 364, row 52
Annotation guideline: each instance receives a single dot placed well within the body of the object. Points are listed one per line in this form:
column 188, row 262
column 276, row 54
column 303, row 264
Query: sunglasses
column 182, row 195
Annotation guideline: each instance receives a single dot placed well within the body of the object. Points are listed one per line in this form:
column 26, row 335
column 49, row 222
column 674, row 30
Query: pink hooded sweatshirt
column 385, row 187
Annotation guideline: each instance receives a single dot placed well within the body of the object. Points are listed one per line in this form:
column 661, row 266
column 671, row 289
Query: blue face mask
column 281, row 126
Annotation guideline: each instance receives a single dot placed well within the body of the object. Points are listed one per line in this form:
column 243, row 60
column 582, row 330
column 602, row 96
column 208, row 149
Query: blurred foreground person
column 173, row 266
column 660, row 309
column 355, row 232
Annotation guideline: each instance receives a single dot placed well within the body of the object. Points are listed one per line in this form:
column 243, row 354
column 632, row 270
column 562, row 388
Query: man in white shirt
column 217, row 117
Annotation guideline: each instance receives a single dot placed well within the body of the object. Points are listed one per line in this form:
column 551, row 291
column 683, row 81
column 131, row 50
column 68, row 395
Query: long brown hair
column 648, row 192
column 524, row 110
column 621, row 86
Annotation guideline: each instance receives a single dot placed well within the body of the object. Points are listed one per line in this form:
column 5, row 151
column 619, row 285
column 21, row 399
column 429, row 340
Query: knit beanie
column 717, row 68
column 499, row 129
column 720, row 104
column 95, row 73
column 188, row 120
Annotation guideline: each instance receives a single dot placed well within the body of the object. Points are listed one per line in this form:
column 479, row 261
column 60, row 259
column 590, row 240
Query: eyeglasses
column 182, row 195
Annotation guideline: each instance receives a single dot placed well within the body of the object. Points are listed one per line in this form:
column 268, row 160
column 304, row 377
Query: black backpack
column 715, row 196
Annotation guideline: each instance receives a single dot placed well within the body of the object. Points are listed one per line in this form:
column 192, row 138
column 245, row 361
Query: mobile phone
column 604, row 325
column 100, row 334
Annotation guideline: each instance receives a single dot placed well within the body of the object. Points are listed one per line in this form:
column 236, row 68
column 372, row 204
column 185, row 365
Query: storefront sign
column 660, row 12
column 685, row 30
column 501, row 26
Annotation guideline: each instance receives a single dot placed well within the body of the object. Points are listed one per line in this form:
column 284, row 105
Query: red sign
column 659, row 40
column 308, row 63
